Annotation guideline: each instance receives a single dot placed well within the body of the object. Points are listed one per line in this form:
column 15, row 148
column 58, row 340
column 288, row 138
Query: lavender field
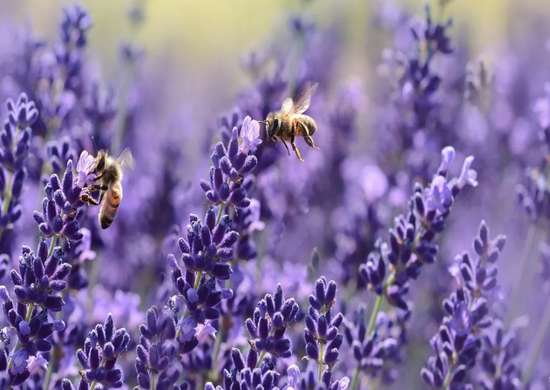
column 318, row 194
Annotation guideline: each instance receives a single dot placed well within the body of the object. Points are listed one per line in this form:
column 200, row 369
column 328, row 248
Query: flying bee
column 291, row 122
column 108, row 181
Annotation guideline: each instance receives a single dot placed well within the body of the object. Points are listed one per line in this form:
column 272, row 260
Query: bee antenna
column 94, row 144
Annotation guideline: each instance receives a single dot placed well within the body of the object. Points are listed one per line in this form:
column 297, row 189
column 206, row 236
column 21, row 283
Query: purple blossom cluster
column 230, row 264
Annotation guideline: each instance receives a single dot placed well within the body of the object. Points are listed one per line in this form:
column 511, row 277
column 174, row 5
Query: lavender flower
column 458, row 342
column 209, row 246
column 250, row 135
column 14, row 150
column 41, row 277
column 73, row 33
column 253, row 224
column 85, row 169
column 268, row 324
column 499, row 358
column 375, row 351
column 155, row 364
column 58, row 155
column 390, row 268
column 245, row 373
column 61, row 208
column 228, row 180
column 37, row 289
column 322, row 337
column 102, row 348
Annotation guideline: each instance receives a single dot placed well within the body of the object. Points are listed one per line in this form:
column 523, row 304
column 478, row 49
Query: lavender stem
column 356, row 378
column 538, row 343
column 527, row 251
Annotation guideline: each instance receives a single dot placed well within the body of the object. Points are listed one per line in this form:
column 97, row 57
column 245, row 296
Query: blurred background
column 201, row 44
column 190, row 72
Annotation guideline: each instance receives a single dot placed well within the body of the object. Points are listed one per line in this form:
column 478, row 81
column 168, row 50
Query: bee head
column 100, row 161
column 272, row 123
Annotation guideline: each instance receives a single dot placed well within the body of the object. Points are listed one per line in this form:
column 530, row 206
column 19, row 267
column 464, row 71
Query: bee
column 108, row 182
column 291, row 122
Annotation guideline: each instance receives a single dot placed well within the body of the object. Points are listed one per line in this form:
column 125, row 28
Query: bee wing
column 126, row 159
column 287, row 106
column 304, row 100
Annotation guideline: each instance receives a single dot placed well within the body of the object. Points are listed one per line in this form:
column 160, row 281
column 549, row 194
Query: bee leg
column 286, row 146
column 309, row 140
column 89, row 200
column 295, row 148
column 86, row 197
column 306, row 132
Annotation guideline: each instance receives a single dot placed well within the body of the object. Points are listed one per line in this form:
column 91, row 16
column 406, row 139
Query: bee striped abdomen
column 308, row 123
column 110, row 204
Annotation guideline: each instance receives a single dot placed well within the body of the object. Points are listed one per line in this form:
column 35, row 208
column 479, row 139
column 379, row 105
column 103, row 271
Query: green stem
column 198, row 277
column 374, row 314
column 53, row 366
column 527, row 251
column 262, row 355
column 378, row 305
column 48, row 376
column 217, row 346
column 449, row 375
column 538, row 343
column 220, row 213
column 320, row 362
column 213, row 373
column 371, row 327
column 356, row 378
column 53, row 243
column 375, row 384
column 153, row 381
column 7, row 194
column 30, row 309
column 447, row 381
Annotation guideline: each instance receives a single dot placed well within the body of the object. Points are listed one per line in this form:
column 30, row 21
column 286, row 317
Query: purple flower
column 205, row 332
column 468, row 176
column 272, row 316
column 186, row 271
column 322, row 336
column 467, row 316
column 439, row 194
column 230, row 174
column 249, row 135
column 293, row 374
column 102, row 348
column 36, row 363
column 85, row 170
column 15, row 145
column 447, row 157
column 38, row 284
